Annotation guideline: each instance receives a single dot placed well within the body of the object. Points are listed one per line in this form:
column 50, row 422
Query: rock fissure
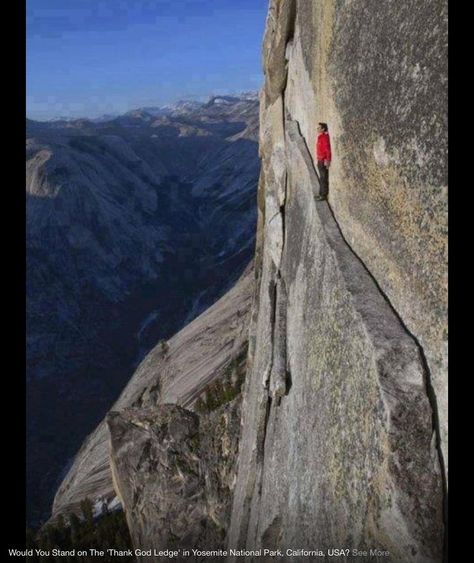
column 279, row 361
column 274, row 215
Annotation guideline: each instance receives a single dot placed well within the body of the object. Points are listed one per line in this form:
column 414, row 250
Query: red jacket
column 323, row 147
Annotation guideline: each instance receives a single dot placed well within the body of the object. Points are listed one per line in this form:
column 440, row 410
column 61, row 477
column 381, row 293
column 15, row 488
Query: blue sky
column 90, row 57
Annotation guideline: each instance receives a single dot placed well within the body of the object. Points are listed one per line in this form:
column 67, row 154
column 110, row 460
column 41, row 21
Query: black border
column 14, row 273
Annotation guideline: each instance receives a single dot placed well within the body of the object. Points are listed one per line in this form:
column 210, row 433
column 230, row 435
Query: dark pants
column 323, row 179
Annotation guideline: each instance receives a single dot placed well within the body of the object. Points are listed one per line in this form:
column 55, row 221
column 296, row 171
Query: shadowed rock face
column 133, row 227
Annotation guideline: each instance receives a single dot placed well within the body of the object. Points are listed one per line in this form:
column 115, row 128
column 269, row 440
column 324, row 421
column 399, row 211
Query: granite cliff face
column 342, row 437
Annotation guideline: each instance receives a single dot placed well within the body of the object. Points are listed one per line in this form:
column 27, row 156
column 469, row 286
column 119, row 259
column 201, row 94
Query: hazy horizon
column 89, row 58
column 201, row 99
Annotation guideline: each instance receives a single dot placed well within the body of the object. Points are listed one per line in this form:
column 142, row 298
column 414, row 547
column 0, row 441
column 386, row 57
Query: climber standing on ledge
column 323, row 156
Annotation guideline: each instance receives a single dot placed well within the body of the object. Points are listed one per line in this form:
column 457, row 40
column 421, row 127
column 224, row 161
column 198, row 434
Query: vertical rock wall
column 346, row 446
column 376, row 72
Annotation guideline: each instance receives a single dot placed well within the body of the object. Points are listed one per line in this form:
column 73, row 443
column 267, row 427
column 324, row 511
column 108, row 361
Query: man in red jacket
column 323, row 156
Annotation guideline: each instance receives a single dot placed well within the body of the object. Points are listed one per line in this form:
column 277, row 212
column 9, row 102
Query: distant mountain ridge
column 177, row 108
